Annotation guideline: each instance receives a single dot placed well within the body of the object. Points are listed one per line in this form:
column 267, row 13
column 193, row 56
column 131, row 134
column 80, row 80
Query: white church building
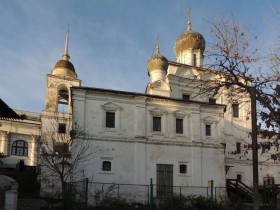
column 171, row 134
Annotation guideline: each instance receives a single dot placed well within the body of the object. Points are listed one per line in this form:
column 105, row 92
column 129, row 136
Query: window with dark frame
column 156, row 123
column 194, row 60
column 106, row 166
column 186, row 97
column 235, row 110
column 183, row 168
column 61, row 148
column 208, row 130
column 20, row 148
column 238, row 148
column 179, row 125
column 61, row 128
column 212, row 101
column 110, row 120
column 239, row 177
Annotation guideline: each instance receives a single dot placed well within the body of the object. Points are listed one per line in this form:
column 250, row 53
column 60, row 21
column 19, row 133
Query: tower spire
column 189, row 19
column 157, row 49
column 65, row 55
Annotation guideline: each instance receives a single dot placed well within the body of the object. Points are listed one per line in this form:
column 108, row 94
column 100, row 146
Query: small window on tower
column 106, row 166
column 235, row 110
column 61, row 128
column 186, row 97
column 194, row 60
column 61, row 148
column 212, row 101
column 238, row 148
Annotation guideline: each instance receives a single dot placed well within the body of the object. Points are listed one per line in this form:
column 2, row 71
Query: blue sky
column 110, row 41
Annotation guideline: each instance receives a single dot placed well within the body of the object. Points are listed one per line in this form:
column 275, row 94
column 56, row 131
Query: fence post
column 215, row 193
column 151, row 194
column 211, row 185
column 86, row 193
column 118, row 191
column 180, row 191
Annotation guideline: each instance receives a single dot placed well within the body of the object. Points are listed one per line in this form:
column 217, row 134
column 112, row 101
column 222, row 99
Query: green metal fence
column 83, row 194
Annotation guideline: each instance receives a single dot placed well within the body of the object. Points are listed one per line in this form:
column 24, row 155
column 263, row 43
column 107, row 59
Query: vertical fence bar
column 212, row 184
column 151, row 194
column 86, row 193
column 118, row 191
column 215, row 193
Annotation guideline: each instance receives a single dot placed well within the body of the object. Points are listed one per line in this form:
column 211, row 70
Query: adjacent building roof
column 7, row 113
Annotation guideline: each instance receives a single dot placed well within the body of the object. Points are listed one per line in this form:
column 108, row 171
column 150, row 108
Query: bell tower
column 59, row 82
column 57, row 119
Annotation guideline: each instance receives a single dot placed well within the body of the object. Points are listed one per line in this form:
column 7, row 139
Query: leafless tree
column 235, row 59
column 65, row 151
column 238, row 66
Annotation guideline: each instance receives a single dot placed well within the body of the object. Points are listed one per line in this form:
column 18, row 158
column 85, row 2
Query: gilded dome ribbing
column 189, row 40
column 156, row 62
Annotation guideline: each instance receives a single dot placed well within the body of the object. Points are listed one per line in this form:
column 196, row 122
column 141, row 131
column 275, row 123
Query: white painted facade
column 19, row 139
column 134, row 149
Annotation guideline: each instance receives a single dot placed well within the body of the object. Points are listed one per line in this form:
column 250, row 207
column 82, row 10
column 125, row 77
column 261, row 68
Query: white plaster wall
column 26, row 130
column 135, row 150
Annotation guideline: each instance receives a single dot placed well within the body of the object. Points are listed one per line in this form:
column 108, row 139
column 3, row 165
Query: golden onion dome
column 156, row 62
column 189, row 40
column 64, row 68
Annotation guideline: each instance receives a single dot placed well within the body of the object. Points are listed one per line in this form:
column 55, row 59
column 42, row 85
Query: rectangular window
column 61, row 128
column 208, row 130
column 60, row 148
column 156, row 123
column 106, row 166
column 212, row 101
column 186, row 97
column 194, row 59
column 110, row 119
column 179, row 125
column 235, row 110
column 239, row 177
column 238, row 148
column 183, row 168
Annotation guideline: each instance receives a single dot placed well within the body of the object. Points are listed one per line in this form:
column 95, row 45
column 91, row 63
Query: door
column 164, row 180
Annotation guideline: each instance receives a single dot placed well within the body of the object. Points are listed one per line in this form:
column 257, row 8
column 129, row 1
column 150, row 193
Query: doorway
column 164, row 180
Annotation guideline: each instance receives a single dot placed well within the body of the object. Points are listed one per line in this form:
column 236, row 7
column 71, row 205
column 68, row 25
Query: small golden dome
column 189, row 40
column 64, row 68
column 157, row 61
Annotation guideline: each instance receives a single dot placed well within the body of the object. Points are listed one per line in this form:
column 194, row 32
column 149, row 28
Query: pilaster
column 4, row 144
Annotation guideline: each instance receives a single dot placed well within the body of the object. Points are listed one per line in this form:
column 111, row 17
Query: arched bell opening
column 63, row 100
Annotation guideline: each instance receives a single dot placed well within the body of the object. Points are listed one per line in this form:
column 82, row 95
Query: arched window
column 20, row 148
column 62, row 103
column 194, row 60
